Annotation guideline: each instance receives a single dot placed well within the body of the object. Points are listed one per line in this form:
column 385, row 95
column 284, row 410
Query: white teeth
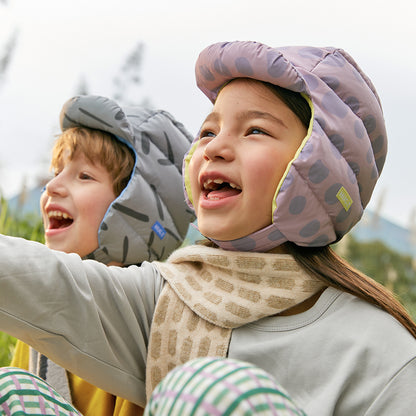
column 59, row 214
column 233, row 185
column 206, row 183
column 219, row 182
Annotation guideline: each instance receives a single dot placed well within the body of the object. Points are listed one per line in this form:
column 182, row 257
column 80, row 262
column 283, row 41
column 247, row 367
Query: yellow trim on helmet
column 186, row 178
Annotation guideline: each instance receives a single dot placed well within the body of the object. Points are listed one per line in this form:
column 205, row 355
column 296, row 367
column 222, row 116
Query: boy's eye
column 85, row 176
column 56, row 172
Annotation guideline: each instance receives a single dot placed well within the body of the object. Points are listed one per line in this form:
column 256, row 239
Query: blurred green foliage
column 14, row 223
column 395, row 271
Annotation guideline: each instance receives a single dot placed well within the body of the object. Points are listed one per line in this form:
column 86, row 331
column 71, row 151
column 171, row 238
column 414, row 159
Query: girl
column 93, row 161
column 284, row 166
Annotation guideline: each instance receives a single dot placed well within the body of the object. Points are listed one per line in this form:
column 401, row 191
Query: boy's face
column 245, row 146
column 73, row 205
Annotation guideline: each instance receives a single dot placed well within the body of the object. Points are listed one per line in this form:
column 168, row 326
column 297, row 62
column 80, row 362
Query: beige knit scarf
column 211, row 291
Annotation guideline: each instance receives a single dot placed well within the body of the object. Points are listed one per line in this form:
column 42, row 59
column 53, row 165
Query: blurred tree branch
column 127, row 81
column 6, row 54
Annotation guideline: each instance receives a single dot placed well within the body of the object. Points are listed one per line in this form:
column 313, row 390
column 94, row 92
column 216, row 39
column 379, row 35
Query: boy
column 116, row 197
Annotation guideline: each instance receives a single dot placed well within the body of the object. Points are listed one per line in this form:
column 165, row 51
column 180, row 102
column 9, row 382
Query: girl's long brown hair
column 324, row 263
column 327, row 266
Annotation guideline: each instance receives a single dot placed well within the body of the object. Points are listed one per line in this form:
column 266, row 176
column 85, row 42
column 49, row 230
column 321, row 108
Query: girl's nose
column 220, row 147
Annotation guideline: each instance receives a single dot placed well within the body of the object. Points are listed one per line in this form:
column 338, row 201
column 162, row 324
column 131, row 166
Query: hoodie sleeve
column 91, row 319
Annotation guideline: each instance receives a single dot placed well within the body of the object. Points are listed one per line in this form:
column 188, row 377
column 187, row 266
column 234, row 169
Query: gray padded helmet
column 150, row 218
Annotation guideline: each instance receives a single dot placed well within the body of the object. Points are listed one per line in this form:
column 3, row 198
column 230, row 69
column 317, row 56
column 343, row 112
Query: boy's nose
column 56, row 186
column 220, row 147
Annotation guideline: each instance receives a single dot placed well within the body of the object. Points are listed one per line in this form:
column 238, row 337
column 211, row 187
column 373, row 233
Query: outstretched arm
column 92, row 319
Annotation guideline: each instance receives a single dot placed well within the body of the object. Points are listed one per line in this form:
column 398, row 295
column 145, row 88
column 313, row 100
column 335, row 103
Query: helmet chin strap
column 260, row 241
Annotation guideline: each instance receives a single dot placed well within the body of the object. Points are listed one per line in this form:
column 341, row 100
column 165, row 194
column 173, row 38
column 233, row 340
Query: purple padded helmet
column 330, row 180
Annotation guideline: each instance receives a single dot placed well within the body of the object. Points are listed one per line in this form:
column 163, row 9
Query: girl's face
column 73, row 205
column 244, row 148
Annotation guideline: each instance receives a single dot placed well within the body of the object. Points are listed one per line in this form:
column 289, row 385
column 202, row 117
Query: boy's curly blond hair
column 98, row 147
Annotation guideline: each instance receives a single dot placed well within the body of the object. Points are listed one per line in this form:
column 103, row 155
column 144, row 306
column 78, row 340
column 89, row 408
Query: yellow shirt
column 88, row 399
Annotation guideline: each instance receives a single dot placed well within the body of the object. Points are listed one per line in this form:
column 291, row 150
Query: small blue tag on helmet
column 159, row 230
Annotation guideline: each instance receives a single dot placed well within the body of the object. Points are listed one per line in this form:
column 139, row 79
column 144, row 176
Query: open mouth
column 59, row 219
column 218, row 188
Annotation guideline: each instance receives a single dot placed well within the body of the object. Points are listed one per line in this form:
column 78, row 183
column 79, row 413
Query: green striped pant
column 22, row 393
column 220, row 387
column 201, row 387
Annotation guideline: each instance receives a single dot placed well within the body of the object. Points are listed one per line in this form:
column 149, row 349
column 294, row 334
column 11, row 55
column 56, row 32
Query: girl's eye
column 206, row 133
column 256, row 131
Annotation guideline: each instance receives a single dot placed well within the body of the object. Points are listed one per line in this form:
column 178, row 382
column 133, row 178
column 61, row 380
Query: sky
column 61, row 45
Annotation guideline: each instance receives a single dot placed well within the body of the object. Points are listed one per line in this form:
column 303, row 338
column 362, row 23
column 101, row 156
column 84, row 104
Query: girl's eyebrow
column 253, row 114
column 214, row 116
column 248, row 115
